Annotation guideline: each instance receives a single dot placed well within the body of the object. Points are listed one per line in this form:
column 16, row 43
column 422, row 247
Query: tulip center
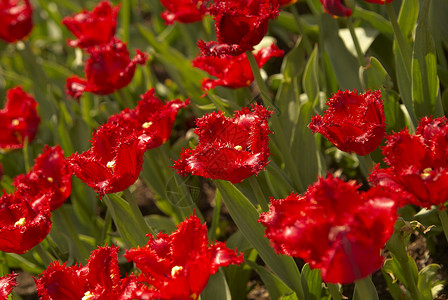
column 176, row 270
column 111, row 164
column 15, row 122
column 238, row 148
column 88, row 295
column 146, row 125
column 20, row 222
column 426, row 173
column 50, row 179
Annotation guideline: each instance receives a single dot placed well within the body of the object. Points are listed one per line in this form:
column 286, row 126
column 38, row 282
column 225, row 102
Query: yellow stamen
column 146, row 125
column 50, row 179
column 88, row 295
column 15, row 122
column 110, row 164
column 176, row 270
column 426, row 173
column 238, row 147
column 20, row 222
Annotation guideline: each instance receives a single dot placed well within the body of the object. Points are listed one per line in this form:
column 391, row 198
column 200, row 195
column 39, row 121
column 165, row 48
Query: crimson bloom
column 353, row 122
column 7, row 283
column 379, row 1
column 229, row 149
column 417, row 163
column 178, row 266
column 50, row 175
column 183, row 11
column 15, row 20
column 21, row 226
column 335, row 8
column 18, row 119
column 233, row 71
column 239, row 25
column 99, row 279
column 92, row 28
column 114, row 161
column 352, row 227
column 152, row 120
column 108, row 69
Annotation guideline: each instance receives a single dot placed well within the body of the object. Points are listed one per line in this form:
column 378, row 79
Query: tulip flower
column 334, row 227
column 22, row 227
column 183, row 11
column 353, row 122
column 108, row 69
column 417, row 163
column 7, row 283
column 239, row 25
column 178, row 266
column 233, row 71
column 336, row 8
column 99, row 279
column 15, row 20
column 92, row 28
column 152, row 120
column 18, row 119
column 50, row 175
column 229, row 149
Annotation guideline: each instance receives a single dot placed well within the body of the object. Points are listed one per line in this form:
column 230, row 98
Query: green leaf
column 376, row 20
column 428, row 282
column 216, row 288
column 277, row 289
column 375, row 76
column 345, row 65
column 425, row 83
column 310, row 80
column 246, row 217
column 130, row 231
column 312, row 280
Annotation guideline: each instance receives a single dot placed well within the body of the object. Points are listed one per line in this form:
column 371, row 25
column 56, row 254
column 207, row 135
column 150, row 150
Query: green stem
column 334, row 291
column 125, row 19
column 129, row 197
column 443, row 216
column 4, row 268
column 216, row 213
column 259, row 195
column 366, row 289
column 277, row 126
column 47, row 259
column 306, row 40
column 360, row 54
column 26, row 155
column 107, row 224
column 402, row 45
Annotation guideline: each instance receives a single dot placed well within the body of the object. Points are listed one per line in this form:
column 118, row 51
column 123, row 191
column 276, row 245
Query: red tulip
column 353, row 122
column 99, row 279
column 333, row 227
column 18, row 119
column 335, row 8
column 239, row 25
column 22, row 227
column 417, row 163
column 183, row 11
column 152, row 120
column 178, row 266
column 92, row 28
column 229, row 149
column 108, row 69
column 7, row 283
column 50, row 175
column 233, row 71
column 113, row 163
column 15, row 20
